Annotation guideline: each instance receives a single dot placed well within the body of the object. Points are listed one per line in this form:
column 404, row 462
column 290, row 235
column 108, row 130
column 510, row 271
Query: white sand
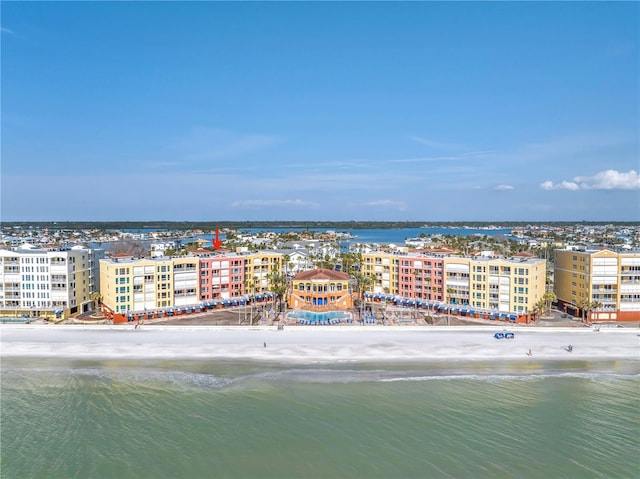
column 317, row 344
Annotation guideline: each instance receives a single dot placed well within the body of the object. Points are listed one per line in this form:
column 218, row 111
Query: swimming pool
column 15, row 320
column 326, row 317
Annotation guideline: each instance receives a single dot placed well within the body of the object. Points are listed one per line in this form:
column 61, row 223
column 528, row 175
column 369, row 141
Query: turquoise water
column 318, row 316
column 247, row 420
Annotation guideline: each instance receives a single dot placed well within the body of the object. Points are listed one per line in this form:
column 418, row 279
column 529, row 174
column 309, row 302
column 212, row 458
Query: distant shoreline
column 230, row 224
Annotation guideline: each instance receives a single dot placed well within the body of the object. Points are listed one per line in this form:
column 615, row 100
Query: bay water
column 227, row 419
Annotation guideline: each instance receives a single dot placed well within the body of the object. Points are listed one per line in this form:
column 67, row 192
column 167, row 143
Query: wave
column 204, row 375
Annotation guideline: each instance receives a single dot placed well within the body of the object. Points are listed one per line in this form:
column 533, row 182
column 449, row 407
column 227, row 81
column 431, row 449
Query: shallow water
column 195, row 419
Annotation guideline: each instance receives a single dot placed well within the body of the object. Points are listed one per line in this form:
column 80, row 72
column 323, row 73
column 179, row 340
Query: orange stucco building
column 320, row 290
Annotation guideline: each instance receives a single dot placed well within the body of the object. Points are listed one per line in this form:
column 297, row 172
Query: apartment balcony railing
column 11, row 263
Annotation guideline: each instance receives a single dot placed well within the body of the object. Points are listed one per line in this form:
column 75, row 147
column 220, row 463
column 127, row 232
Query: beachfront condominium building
column 135, row 284
column 489, row 283
column 50, row 282
column 259, row 266
column 132, row 285
column 502, row 284
column 421, row 277
column 607, row 280
column 138, row 284
column 222, row 276
column 382, row 268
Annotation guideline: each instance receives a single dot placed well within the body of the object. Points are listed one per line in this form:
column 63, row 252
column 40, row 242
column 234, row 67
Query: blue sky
column 420, row 111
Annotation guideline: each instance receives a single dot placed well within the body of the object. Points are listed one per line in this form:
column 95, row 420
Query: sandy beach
column 318, row 345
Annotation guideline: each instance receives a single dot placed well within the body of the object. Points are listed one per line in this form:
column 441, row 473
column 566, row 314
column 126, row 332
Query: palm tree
column 286, row 259
column 594, row 305
column 96, row 297
column 583, row 304
column 549, row 297
column 539, row 307
column 279, row 285
column 363, row 283
column 449, row 292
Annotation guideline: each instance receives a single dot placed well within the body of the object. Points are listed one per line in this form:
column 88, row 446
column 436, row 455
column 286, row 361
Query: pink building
column 221, row 276
column 421, row 277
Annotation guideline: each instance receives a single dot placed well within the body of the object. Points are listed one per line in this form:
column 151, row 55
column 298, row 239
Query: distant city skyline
column 367, row 111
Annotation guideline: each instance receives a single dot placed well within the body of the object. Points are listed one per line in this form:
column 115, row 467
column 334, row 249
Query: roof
column 121, row 255
column 321, row 274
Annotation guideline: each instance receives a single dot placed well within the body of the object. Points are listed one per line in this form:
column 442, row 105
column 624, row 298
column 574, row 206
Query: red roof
column 321, row 273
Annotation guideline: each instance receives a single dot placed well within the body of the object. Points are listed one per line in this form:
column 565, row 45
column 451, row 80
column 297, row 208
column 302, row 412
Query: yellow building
column 382, row 268
column 602, row 277
column 123, row 291
column 130, row 284
column 257, row 268
column 504, row 284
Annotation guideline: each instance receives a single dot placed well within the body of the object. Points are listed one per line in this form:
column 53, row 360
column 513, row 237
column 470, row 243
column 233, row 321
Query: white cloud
column 271, row 203
column 604, row 180
column 436, row 144
column 610, row 180
column 504, row 187
column 401, row 205
column 564, row 185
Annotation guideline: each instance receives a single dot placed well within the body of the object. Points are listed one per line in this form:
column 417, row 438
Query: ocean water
column 383, row 235
column 66, row 419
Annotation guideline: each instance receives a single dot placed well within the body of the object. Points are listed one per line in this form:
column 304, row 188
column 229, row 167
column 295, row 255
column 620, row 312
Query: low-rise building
column 320, row 290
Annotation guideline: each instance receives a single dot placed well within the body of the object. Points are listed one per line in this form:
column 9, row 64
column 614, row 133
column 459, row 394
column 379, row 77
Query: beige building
column 604, row 277
column 504, row 284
